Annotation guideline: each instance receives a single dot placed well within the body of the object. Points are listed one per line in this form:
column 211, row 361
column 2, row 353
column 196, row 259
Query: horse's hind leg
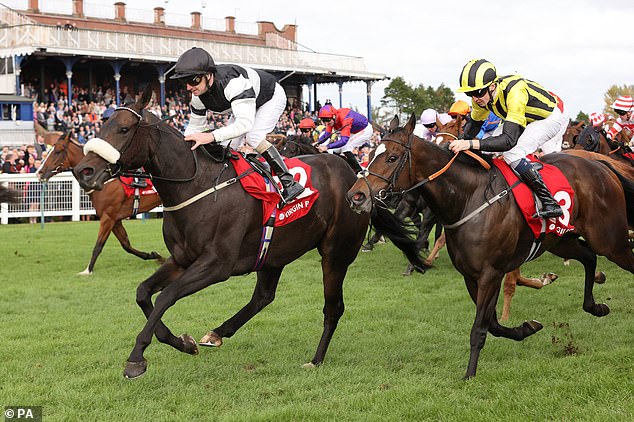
column 263, row 294
column 105, row 228
column 573, row 248
column 122, row 235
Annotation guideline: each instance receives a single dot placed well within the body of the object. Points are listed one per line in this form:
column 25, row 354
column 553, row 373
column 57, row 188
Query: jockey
column 428, row 120
column 532, row 117
column 307, row 128
column 353, row 128
column 254, row 97
column 624, row 108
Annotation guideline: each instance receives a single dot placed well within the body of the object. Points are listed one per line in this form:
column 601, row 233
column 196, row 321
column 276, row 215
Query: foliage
column 614, row 92
column 399, row 352
column 406, row 99
column 582, row 117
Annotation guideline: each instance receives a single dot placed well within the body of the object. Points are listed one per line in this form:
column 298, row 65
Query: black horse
column 216, row 236
column 484, row 242
column 8, row 195
column 294, row 145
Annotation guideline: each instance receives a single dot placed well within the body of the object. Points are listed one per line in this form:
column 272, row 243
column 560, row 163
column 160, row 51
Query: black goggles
column 620, row 112
column 305, row 130
column 478, row 93
column 192, row 80
column 429, row 125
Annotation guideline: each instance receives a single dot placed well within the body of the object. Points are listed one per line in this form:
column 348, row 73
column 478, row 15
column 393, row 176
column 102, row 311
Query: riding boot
column 291, row 189
column 529, row 175
column 352, row 160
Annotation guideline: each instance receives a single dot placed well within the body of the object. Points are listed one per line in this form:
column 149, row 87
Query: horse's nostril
column 87, row 171
column 358, row 197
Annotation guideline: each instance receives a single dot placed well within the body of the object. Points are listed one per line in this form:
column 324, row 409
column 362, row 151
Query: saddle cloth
column 258, row 187
column 129, row 189
column 558, row 186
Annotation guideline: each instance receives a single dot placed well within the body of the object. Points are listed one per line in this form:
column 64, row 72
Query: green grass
column 399, row 353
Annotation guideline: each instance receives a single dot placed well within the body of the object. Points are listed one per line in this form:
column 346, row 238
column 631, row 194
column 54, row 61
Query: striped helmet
column 624, row 103
column 476, row 74
column 597, row 119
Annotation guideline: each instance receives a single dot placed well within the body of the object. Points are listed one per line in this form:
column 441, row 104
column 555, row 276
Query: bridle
column 406, row 158
column 60, row 167
column 116, row 169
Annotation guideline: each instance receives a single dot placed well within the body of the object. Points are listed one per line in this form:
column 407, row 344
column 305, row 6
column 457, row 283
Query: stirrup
column 285, row 200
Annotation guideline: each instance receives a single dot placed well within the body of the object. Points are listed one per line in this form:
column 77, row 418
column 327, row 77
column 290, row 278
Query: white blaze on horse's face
column 378, row 151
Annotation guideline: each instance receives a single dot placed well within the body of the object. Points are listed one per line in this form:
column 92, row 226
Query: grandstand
column 78, row 43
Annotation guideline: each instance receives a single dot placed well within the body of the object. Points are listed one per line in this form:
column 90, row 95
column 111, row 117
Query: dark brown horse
column 8, row 195
column 293, row 146
column 111, row 204
column 212, row 237
column 496, row 239
column 593, row 140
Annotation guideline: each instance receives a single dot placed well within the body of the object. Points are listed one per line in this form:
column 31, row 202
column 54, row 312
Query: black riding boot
column 529, row 175
column 352, row 160
column 292, row 189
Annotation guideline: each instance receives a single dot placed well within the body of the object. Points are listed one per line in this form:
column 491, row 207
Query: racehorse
column 569, row 138
column 445, row 134
column 497, row 239
column 111, row 204
column 294, row 145
column 596, row 141
column 212, row 237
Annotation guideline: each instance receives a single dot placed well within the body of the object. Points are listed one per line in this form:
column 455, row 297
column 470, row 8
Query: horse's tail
column 8, row 195
column 628, row 188
column 386, row 223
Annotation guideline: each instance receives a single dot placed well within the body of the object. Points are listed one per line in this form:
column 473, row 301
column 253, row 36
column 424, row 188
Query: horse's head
column 449, row 131
column 385, row 172
column 65, row 154
column 295, row 145
column 589, row 139
column 570, row 136
column 123, row 145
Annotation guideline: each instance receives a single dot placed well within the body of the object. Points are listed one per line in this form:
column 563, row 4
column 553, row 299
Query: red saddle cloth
column 558, row 186
column 260, row 189
column 129, row 190
column 629, row 155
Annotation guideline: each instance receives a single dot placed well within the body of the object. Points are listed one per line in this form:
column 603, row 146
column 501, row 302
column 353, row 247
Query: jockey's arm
column 244, row 117
column 511, row 132
column 198, row 117
column 325, row 135
column 341, row 141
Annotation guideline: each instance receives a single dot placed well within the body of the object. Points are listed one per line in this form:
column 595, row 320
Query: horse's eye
column 124, row 130
column 392, row 158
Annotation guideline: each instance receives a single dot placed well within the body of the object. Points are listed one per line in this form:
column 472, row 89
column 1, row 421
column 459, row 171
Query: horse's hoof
column 566, row 262
column 85, row 272
column 599, row 277
column 600, row 309
column 134, row 369
column 189, row 344
column 309, row 365
column 534, row 326
column 211, row 339
column 548, row 278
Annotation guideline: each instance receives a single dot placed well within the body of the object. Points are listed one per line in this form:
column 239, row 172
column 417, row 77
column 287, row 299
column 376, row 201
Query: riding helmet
column 307, row 123
column 194, row 61
column 623, row 103
column 459, row 108
column 327, row 111
column 477, row 74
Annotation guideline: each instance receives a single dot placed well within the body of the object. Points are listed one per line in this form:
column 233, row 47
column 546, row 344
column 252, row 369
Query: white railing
column 61, row 196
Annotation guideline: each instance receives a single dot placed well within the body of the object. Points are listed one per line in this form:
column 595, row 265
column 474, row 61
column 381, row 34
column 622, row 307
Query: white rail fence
column 61, row 196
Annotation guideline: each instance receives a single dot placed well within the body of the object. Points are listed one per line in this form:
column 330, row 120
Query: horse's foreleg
column 166, row 274
column 122, row 235
column 263, row 294
column 334, row 271
column 202, row 273
column 105, row 228
column 484, row 292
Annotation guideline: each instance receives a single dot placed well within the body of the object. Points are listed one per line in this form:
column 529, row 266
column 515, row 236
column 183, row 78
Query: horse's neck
column 452, row 192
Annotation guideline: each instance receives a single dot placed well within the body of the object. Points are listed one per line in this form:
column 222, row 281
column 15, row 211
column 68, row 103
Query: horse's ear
column 66, row 135
column 146, row 96
column 411, row 124
column 394, row 123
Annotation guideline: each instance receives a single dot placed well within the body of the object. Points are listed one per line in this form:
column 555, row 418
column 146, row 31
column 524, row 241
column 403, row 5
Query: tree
column 615, row 92
column 583, row 117
column 405, row 99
